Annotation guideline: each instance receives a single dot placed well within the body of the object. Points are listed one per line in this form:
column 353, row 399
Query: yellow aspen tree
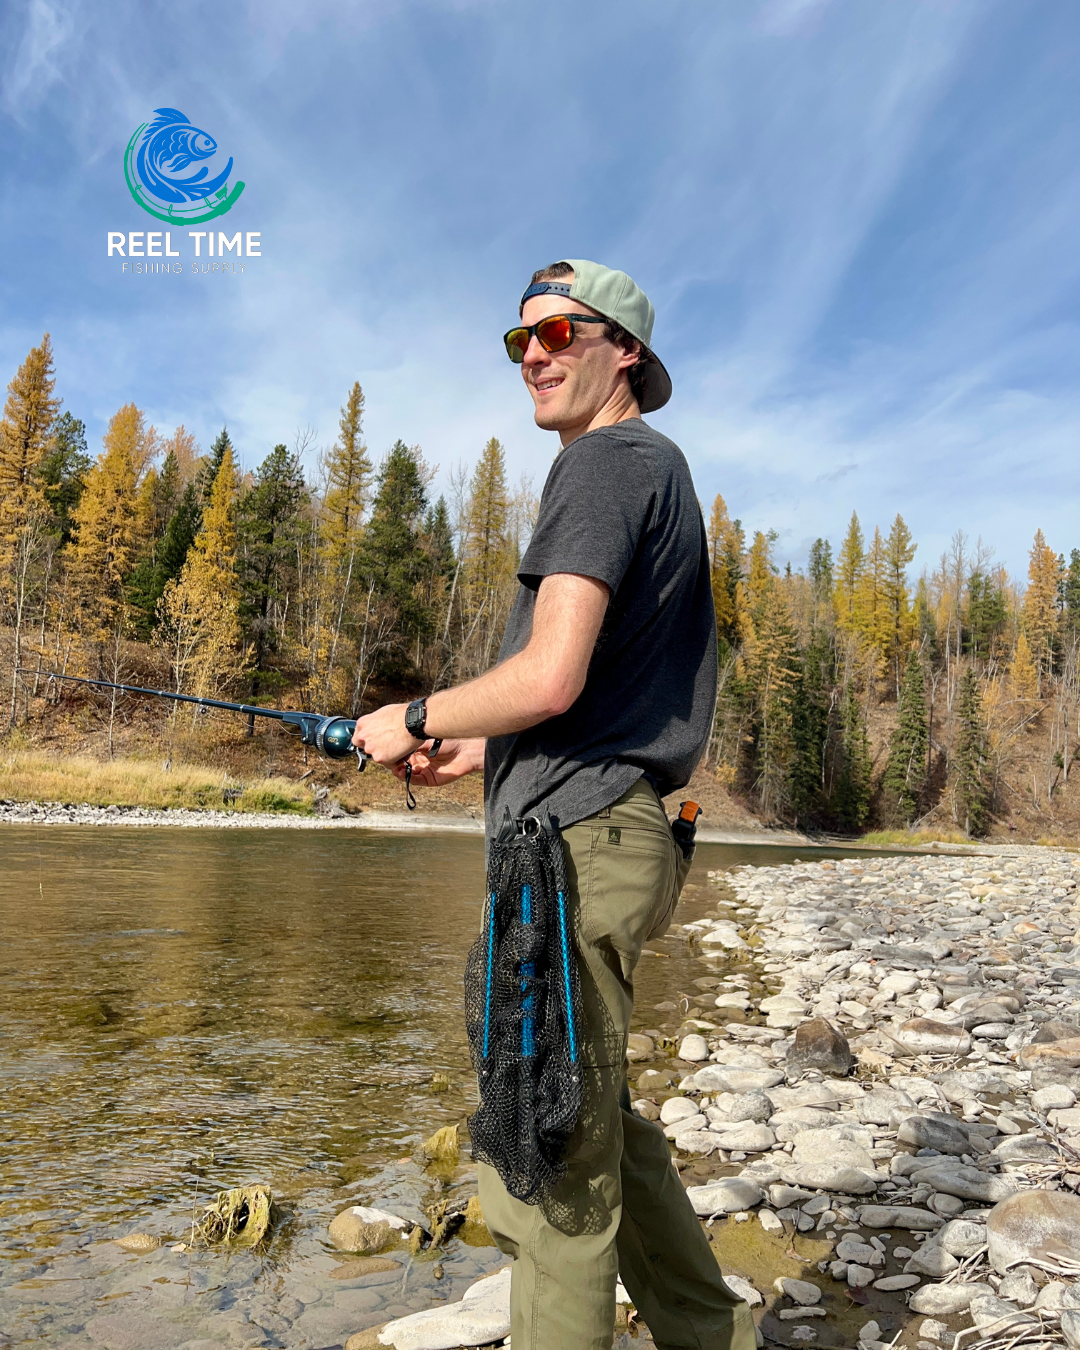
column 26, row 431
column 725, row 538
column 200, row 610
column 105, row 538
column 1023, row 673
column 1040, row 616
column 850, row 565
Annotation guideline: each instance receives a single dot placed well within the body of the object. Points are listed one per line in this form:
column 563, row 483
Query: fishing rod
column 331, row 736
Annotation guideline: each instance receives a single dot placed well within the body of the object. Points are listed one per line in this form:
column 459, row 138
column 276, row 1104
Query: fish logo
column 157, row 165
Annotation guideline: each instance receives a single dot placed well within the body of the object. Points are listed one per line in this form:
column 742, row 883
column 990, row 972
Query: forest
column 851, row 694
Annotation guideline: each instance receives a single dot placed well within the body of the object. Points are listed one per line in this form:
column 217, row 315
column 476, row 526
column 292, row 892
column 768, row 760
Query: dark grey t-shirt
column 618, row 505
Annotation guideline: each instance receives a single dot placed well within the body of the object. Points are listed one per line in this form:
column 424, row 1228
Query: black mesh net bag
column 523, row 1010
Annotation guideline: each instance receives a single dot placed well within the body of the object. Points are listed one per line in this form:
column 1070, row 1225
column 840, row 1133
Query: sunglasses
column 554, row 334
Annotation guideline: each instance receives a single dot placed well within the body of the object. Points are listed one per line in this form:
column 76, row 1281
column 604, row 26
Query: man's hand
column 454, row 760
column 382, row 735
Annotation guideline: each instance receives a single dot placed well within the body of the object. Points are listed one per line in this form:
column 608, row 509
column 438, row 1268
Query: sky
column 858, row 224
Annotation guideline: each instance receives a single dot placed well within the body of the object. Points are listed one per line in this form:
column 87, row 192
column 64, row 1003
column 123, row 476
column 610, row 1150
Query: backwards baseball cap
column 615, row 296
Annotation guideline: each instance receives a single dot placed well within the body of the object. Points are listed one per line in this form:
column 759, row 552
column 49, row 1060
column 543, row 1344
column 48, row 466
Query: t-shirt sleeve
column 596, row 505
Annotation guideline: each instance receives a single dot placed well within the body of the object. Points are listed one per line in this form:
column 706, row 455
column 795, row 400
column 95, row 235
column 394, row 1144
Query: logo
column 157, row 163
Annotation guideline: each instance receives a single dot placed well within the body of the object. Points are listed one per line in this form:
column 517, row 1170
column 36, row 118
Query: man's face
column 570, row 387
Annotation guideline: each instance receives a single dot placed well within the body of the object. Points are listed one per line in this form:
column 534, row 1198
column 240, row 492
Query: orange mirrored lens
column 555, row 333
column 517, row 340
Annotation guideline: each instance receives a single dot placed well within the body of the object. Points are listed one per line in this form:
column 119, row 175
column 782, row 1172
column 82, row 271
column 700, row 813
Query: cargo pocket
column 682, row 871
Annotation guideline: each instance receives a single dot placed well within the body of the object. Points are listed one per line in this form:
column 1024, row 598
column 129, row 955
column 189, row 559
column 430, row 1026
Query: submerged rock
column 139, row 1242
column 364, row 1230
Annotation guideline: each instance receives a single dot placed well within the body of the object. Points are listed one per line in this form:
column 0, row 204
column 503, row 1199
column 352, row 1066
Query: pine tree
column 726, row 546
column 1072, row 593
column 851, row 796
column 208, row 467
column 849, row 575
column 872, row 618
column 899, row 551
column 986, row 613
column 810, row 727
column 393, row 555
column 268, row 527
column 769, row 675
column 923, row 620
column 904, row 781
column 348, row 473
column 1040, row 617
column 200, row 611
column 972, row 789
column 62, row 471
column 104, row 525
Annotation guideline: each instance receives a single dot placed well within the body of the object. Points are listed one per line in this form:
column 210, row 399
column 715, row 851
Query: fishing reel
column 331, row 736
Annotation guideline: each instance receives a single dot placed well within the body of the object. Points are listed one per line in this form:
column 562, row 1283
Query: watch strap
column 416, row 718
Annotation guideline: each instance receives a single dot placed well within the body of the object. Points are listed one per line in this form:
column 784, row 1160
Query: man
column 602, row 700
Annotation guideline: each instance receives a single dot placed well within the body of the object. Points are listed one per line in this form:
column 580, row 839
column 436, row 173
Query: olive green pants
column 621, row 1208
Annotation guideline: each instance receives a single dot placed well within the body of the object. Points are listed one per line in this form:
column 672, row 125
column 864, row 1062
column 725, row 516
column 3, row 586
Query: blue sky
column 858, row 223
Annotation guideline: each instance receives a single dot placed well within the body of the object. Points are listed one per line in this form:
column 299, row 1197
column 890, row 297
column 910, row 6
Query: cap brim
column 657, row 383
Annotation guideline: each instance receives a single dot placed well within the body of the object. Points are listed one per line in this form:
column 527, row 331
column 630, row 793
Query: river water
column 183, row 1011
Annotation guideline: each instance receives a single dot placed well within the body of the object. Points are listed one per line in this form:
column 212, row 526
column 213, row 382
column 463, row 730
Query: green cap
column 615, row 296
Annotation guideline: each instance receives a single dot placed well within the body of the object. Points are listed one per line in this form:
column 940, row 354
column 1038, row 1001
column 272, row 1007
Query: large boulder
column 1038, row 1228
column 819, row 1045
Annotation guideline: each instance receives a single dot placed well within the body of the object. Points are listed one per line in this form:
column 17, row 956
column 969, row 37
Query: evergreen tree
column 899, row 551
column 924, row 621
column 972, row 789
column 851, row 795
column 268, row 525
column 986, row 614
column 209, row 467
column 810, row 727
column 821, row 573
column 62, row 471
column 1072, row 593
column 905, row 777
column 439, row 537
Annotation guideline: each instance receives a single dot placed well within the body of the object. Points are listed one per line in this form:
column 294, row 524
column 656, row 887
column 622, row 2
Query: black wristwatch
column 415, row 718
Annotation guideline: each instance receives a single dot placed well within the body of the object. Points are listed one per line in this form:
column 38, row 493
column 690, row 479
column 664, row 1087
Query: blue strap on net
column 528, row 970
column 564, row 943
column 487, row 983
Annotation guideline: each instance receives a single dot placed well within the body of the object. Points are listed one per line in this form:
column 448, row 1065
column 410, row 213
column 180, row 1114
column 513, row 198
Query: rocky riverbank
column 877, row 1073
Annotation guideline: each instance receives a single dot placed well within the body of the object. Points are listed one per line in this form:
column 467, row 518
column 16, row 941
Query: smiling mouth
column 546, row 386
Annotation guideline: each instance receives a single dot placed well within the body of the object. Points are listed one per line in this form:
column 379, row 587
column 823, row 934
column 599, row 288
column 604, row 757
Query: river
column 183, row 1011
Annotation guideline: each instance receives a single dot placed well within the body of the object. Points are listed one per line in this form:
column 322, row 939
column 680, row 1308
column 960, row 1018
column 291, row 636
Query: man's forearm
column 508, row 698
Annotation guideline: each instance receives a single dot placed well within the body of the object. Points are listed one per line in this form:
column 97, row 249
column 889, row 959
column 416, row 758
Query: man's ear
column 629, row 357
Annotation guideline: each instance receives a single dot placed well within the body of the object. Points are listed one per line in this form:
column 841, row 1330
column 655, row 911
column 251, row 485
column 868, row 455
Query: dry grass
column 909, row 837
column 33, row 775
